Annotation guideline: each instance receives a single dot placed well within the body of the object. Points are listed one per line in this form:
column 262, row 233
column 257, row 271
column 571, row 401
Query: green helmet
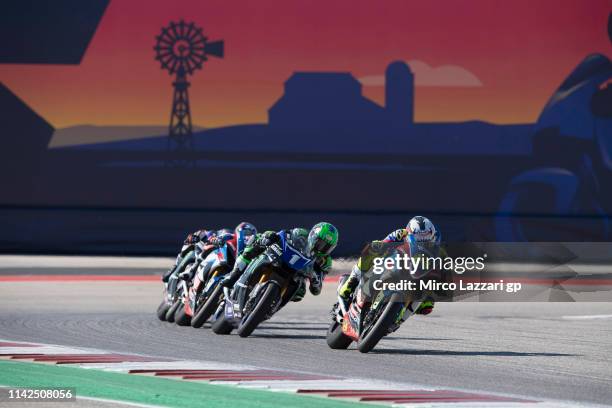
column 322, row 239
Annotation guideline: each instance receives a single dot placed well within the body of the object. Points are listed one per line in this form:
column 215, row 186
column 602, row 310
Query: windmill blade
column 214, row 48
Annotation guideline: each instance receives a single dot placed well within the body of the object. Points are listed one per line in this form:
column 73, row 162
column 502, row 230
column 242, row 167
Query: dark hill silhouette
column 452, row 138
column 88, row 134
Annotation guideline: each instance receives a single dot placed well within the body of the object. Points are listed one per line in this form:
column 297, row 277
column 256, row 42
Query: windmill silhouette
column 182, row 48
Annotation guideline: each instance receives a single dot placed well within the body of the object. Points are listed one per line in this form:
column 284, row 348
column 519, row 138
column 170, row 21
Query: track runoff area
column 88, row 324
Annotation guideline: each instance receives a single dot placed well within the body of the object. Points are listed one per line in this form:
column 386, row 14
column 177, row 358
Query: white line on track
column 120, row 402
column 587, row 317
column 283, row 385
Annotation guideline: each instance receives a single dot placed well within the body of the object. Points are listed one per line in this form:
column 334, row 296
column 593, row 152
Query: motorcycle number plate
column 295, row 259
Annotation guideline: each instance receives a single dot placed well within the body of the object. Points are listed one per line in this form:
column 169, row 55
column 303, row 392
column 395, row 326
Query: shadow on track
column 421, row 338
column 283, row 323
column 289, row 336
column 313, row 328
column 470, row 353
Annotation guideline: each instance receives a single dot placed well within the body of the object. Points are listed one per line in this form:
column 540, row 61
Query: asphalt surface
column 543, row 350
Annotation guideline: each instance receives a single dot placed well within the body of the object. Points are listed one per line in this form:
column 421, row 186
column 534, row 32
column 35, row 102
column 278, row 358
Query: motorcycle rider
column 320, row 242
column 420, row 228
column 187, row 253
column 241, row 234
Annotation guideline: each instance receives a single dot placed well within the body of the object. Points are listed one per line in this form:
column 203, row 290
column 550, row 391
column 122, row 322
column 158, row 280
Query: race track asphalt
column 543, row 350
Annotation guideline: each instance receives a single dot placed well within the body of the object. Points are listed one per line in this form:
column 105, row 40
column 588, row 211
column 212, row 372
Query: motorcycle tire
column 162, row 309
column 336, row 339
column 208, row 308
column 222, row 326
column 381, row 326
column 181, row 317
column 172, row 310
column 270, row 295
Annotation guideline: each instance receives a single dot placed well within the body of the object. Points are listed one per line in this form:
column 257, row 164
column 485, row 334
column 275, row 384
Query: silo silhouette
column 399, row 94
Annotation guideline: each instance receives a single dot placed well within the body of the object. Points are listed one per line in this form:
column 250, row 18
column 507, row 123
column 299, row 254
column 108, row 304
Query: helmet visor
column 322, row 247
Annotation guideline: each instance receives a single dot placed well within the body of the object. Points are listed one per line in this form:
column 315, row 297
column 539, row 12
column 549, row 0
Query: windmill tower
column 181, row 49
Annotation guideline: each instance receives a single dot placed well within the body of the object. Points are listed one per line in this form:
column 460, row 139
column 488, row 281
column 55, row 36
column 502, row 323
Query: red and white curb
column 347, row 389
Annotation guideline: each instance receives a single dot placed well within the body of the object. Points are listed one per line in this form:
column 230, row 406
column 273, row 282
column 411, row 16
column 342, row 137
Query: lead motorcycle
column 274, row 278
column 373, row 314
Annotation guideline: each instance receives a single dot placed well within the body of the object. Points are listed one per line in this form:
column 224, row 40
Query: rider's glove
column 316, row 283
column 216, row 241
column 193, row 238
column 265, row 241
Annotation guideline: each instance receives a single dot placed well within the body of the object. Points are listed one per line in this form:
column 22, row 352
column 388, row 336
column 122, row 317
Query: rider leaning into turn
column 319, row 243
column 187, row 254
column 421, row 229
column 241, row 234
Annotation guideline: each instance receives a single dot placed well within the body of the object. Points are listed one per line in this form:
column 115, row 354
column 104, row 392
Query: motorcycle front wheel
column 270, row 295
column 172, row 310
column 181, row 317
column 208, row 308
column 222, row 326
column 387, row 318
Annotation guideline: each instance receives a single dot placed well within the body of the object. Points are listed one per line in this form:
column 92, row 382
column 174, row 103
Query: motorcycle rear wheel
column 387, row 318
column 222, row 326
column 162, row 309
column 181, row 317
column 336, row 339
column 270, row 295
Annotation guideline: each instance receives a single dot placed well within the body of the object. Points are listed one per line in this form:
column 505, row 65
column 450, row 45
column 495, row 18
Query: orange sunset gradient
column 519, row 50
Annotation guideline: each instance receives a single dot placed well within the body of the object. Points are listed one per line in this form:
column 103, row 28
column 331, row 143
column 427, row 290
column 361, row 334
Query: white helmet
column 422, row 229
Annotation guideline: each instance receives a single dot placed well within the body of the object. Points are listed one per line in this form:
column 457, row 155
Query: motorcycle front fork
column 405, row 314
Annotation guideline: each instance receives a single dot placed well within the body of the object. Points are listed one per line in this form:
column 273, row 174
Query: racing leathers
column 257, row 245
column 187, row 254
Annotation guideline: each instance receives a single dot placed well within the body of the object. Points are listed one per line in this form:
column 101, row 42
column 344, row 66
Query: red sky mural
column 479, row 59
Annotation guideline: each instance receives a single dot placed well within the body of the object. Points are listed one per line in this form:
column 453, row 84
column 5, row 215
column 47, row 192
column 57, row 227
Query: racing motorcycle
column 170, row 294
column 211, row 264
column 204, row 297
column 373, row 314
column 171, row 297
column 274, row 278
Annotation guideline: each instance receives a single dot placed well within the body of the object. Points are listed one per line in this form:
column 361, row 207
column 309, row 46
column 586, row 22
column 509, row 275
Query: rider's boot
column 230, row 279
column 425, row 308
column 300, row 292
column 347, row 289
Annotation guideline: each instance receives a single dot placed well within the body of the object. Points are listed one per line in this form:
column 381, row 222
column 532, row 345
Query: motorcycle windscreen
column 423, row 256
